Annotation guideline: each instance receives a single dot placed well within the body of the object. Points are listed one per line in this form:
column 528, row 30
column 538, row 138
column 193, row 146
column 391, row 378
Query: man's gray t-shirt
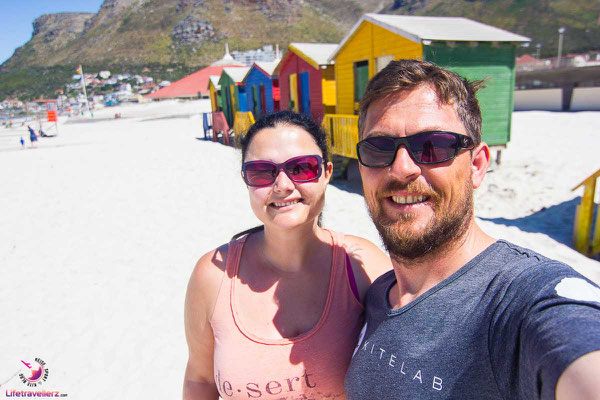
column 504, row 326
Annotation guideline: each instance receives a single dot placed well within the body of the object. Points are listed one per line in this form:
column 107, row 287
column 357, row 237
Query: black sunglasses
column 429, row 147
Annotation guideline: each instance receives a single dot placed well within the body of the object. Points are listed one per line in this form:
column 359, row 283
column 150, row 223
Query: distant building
column 249, row 57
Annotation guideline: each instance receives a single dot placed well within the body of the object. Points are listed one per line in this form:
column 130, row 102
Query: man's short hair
column 406, row 75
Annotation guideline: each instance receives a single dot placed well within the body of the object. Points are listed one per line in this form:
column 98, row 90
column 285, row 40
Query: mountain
column 536, row 19
column 175, row 37
column 191, row 32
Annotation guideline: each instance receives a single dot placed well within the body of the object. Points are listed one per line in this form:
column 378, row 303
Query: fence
column 342, row 133
column 583, row 240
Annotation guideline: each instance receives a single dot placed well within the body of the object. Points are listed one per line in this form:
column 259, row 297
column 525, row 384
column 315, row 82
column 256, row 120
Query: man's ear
column 480, row 161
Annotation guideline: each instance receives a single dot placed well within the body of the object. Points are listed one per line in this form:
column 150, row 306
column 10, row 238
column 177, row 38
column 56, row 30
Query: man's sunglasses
column 298, row 169
column 429, row 147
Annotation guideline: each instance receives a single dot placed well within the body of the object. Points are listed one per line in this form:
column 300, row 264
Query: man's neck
column 416, row 276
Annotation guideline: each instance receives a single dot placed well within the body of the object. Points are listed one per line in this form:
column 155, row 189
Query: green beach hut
column 232, row 94
column 472, row 49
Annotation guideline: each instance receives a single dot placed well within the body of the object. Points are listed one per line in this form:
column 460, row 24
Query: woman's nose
column 282, row 182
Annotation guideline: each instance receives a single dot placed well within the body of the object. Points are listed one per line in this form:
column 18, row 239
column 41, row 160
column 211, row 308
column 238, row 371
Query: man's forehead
column 417, row 109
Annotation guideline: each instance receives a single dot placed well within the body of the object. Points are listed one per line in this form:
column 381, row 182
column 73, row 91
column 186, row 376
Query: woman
column 276, row 313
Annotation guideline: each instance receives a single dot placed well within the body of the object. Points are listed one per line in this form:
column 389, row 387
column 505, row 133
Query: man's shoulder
column 511, row 261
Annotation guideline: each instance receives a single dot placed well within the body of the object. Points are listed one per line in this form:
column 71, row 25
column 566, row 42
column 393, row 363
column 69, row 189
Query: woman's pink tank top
column 309, row 366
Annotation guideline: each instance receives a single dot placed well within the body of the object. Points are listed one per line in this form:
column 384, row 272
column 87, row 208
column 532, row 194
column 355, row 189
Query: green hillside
column 174, row 37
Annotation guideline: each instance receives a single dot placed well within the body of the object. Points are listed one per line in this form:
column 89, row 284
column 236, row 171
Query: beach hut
column 259, row 83
column 472, row 49
column 307, row 79
column 213, row 90
column 233, row 92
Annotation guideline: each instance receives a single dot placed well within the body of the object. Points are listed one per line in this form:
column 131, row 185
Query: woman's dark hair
column 283, row 118
column 289, row 118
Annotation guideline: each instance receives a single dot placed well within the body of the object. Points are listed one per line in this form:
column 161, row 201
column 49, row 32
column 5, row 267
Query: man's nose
column 404, row 168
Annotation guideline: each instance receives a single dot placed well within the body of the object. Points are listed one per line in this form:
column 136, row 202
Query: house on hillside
column 307, row 79
column 262, row 88
column 472, row 49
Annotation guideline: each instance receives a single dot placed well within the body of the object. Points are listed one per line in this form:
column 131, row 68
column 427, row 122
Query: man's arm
column 580, row 380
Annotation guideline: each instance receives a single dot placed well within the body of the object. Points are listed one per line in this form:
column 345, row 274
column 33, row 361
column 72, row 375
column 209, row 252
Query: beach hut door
column 263, row 99
column 361, row 78
column 255, row 103
column 293, row 93
column 229, row 108
column 305, row 93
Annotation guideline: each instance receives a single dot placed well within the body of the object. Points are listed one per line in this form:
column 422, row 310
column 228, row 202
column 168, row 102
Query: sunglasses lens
column 433, row 147
column 303, row 169
column 259, row 174
column 377, row 151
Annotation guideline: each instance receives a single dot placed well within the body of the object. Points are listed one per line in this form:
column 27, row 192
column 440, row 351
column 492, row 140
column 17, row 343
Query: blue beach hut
column 259, row 83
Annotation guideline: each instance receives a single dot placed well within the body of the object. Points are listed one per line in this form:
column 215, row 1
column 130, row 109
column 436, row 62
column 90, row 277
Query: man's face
column 417, row 208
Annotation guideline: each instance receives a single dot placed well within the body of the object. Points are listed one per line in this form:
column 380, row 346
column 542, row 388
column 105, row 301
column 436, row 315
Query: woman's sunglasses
column 298, row 169
column 429, row 147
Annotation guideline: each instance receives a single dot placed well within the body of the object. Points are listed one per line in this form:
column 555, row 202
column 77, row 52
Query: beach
column 103, row 224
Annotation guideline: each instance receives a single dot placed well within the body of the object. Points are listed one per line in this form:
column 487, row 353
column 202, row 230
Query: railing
column 583, row 240
column 220, row 125
column 342, row 133
column 242, row 122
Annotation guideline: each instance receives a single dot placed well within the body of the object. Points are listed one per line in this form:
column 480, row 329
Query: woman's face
column 286, row 204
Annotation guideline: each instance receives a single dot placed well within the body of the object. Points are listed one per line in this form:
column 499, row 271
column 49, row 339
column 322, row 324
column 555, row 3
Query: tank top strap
column 234, row 255
column 232, row 264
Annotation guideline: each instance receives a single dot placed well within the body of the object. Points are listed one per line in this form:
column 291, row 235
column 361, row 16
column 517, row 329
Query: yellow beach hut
column 472, row 49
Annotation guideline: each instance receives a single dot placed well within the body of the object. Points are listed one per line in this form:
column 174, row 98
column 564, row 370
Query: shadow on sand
column 556, row 221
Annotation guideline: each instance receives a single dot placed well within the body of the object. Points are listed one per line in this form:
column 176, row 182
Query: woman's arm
column 368, row 262
column 201, row 296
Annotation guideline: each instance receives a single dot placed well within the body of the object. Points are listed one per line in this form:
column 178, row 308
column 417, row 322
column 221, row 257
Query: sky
column 16, row 25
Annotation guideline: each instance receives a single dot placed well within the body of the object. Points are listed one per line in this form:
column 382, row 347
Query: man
column 462, row 315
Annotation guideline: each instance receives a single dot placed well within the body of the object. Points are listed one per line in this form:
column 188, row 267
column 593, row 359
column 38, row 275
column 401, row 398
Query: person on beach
column 32, row 136
column 462, row 315
column 276, row 313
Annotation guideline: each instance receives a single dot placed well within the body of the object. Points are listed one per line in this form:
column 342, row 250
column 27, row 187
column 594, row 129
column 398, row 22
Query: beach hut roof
column 237, row 74
column 419, row 29
column 318, row 52
column 268, row 67
column 215, row 81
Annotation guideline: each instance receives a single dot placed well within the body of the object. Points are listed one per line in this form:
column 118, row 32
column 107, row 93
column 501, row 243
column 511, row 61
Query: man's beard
column 444, row 227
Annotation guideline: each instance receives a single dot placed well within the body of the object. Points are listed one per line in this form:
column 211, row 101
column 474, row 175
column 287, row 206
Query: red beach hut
column 307, row 79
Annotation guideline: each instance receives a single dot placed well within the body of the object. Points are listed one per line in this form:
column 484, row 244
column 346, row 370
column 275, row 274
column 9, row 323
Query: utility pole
column 561, row 32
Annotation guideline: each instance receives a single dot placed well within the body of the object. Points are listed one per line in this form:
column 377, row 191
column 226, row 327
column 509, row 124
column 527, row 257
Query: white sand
column 102, row 225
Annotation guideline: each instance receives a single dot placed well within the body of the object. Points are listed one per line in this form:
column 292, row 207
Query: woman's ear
column 328, row 171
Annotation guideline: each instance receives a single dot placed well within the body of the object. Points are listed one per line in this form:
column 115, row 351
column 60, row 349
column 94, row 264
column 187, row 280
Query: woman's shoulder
column 364, row 249
column 368, row 261
column 205, row 280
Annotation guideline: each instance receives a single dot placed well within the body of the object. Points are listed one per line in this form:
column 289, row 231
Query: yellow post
column 294, row 92
column 582, row 231
column 596, row 239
